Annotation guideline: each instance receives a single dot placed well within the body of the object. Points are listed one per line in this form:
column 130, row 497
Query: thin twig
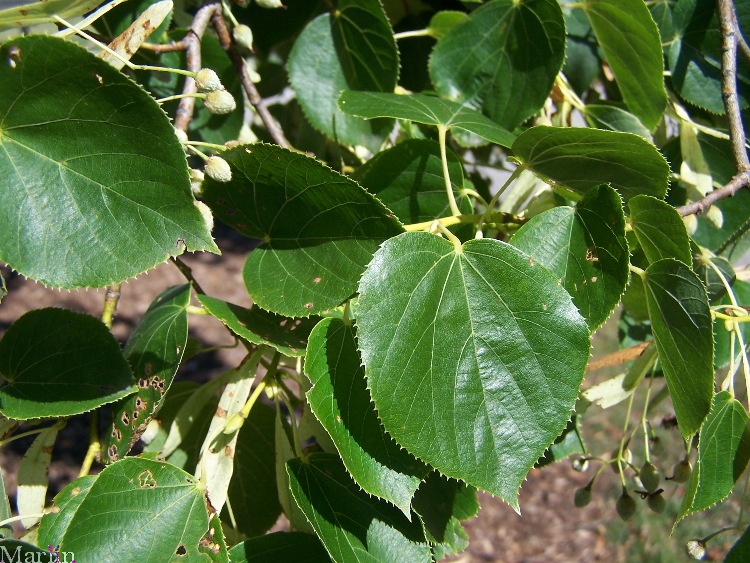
column 192, row 43
column 188, row 273
column 729, row 32
column 253, row 96
column 170, row 47
column 741, row 180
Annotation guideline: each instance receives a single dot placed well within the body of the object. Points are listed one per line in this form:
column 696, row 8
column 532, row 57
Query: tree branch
column 731, row 36
column 192, row 45
column 253, row 95
column 741, row 180
column 729, row 32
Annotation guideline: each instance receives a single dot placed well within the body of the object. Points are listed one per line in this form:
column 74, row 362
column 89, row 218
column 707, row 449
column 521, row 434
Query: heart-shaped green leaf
column 352, row 525
column 681, row 323
column 86, row 152
column 135, row 509
column 473, row 355
column 320, row 229
column 154, row 352
column 723, row 453
column 408, row 179
column 613, row 118
column 424, row 109
column 60, row 363
column 581, row 158
column 503, row 59
column 351, row 48
column 659, row 229
column 340, row 400
column 631, row 43
column 586, row 248
column 287, row 336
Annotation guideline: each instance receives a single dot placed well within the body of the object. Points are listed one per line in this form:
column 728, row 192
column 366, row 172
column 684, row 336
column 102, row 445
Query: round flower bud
column 243, row 36
column 583, row 496
column 220, row 102
column 650, row 477
column 196, row 181
column 580, row 464
column 206, row 80
column 625, row 506
column 682, row 471
column 696, row 549
column 657, row 503
column 181, row 135
column 269, row 3
column 218, row 169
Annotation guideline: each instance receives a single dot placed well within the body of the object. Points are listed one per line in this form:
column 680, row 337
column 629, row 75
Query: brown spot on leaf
column 531, row 261
column 143, row 383
column 75, row 492
column 112, row 453
column 146, row 480
column 220, row 413
column 180, row 551
column 317, row 280
column 125, row 419
column 309, row 305
column 228, row 451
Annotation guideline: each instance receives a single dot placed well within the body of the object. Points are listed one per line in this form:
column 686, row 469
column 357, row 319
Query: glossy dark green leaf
column 442, row 505
column 695, row 54
column 252, row 490
column 60, row 363
column 473, row 355
column 78, row 146
column 631, row 43
column 287, row 336
column 681, row 323
column 320, row 229
column 135, row 509
column 740, row 550
column 280, row 547
column 503, row 59
column 585, row 248
column 340, row 400
column 659, row 229
column 351, row 48
column 408, row 179
column 723, row 454
column 424, row 109
column 352, row 525
column 613, row 118
column 582, row 158
column 154, row 352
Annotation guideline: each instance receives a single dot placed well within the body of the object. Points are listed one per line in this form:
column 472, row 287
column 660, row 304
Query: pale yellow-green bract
column 22, row 13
